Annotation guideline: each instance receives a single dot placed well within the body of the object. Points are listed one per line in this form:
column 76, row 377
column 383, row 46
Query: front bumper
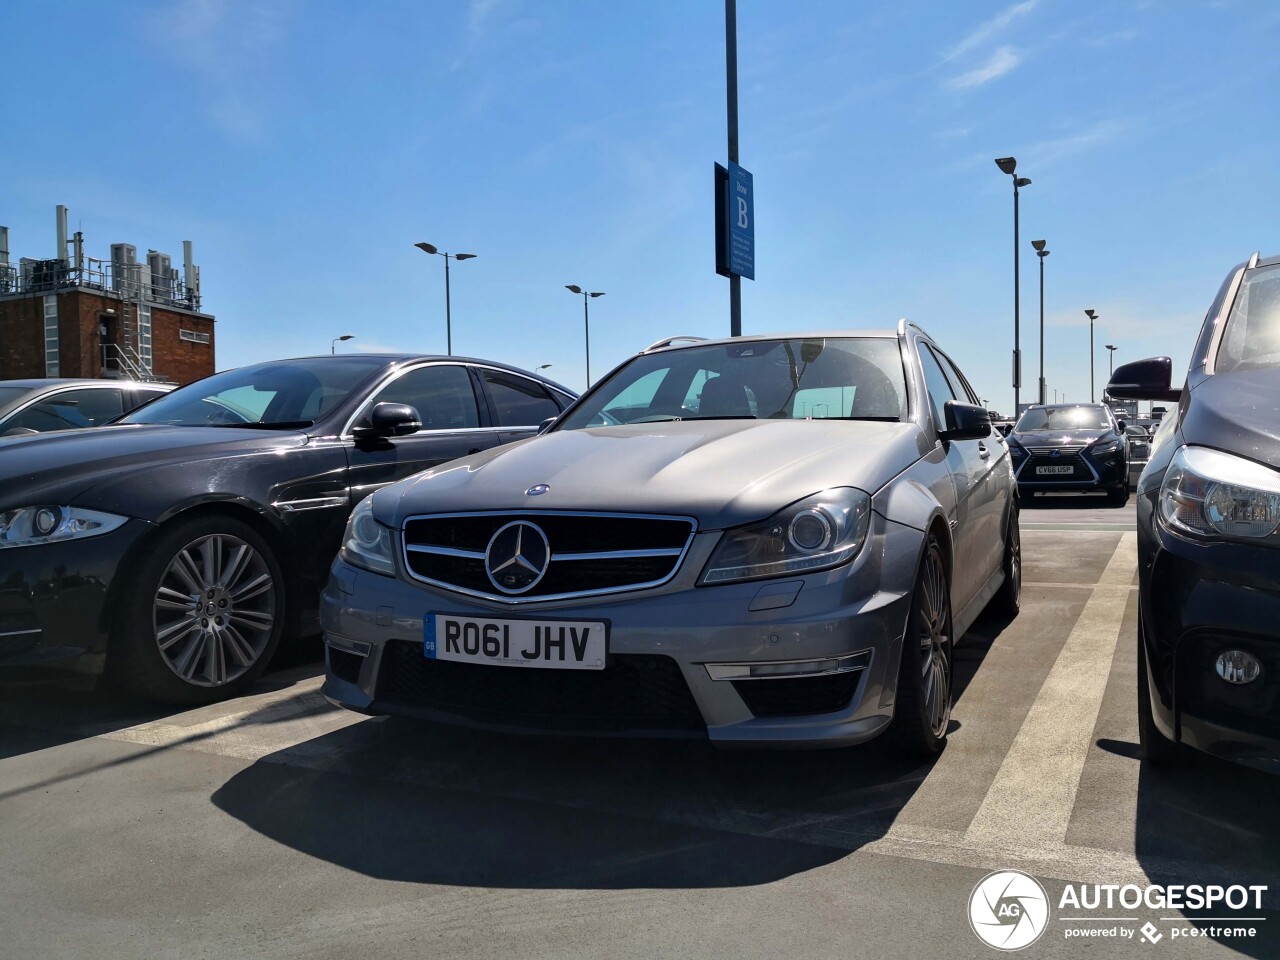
column 55, row 598
column 1088, row 472
column 1199, row 599
column 665, row 645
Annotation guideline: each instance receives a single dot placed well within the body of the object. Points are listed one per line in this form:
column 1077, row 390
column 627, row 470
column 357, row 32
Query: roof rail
column 1253, row 260
column 669, row 341
column 904, row 323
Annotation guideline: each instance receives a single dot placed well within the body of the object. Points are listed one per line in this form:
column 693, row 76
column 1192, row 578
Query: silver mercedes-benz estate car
column 763, row 540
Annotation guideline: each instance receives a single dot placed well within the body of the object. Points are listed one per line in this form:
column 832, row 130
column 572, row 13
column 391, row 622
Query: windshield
column 822, row 378
column 281, row 394
column 1252, row 338
column 1084, row 417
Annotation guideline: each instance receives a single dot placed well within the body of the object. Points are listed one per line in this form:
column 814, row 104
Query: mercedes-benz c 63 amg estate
column 769, row 539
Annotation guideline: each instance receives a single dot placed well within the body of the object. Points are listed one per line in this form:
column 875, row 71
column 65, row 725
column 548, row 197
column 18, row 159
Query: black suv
column 1070, row 447
column 1209, row 534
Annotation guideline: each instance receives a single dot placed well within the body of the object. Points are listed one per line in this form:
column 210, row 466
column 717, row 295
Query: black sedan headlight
column 1213, row 495
column 821, row 531
column 47, row 523
column 367, row 543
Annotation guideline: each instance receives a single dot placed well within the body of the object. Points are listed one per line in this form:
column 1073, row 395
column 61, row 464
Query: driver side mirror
column 965, row 421
column 389, row 420
column 1148, row 379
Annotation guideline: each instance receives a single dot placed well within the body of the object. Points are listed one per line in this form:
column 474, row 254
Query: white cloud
column 997, row 65
column 985, row 31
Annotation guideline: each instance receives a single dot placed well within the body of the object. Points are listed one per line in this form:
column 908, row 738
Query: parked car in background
column 1209, row 533
column 1138, row 438
column 771, row 539
column 43, row 406
column 1070, row 447
column 183, row 542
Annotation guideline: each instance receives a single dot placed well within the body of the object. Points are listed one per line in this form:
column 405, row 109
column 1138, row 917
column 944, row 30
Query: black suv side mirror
column 1148, row 379
column 965, row 421
column 389, row 420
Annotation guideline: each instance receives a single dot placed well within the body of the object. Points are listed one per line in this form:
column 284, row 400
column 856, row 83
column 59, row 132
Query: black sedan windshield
column 281, row 394
column 821, row 378
column 1082, row 417
column 1252, row 338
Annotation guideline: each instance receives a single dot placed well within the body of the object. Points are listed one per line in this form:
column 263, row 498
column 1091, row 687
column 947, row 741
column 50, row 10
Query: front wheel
column 923, row 710
column 205, row 615
column 1119, row 496
column 1008, row 599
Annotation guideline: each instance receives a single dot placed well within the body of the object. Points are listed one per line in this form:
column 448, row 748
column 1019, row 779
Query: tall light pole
column 1041, row 252
column 1111, row 358
column 586, row 319
column 1009, row 165
column 448, row 316
column 333, row 344
column 731, row 113
column 1092, row 315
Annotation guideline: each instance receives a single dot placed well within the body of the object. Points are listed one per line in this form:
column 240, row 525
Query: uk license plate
column 1040, row 471
column 548, row 644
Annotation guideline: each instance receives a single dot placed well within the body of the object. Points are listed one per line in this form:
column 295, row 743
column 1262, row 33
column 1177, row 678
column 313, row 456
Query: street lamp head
column 1038, row 244
column 1043, row 253
column 426, row 247
column 1022, row 182
column 544, row 366
column 347, row 336
column 1007, row 164
column 464, row 256
column 1091, row 314
column 599, row 293
column 573, row 288
column 1111, row 346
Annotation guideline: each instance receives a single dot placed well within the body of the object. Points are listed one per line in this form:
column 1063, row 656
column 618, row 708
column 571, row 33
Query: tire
column 1008, row 599
column 1119, row 496
column 1157, row 749
column 165, row 646
column 923, row 705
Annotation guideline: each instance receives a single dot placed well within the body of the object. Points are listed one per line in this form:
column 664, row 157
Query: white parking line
column 1031, row 798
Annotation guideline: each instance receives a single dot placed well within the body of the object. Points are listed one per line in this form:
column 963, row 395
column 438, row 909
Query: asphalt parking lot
column 278, row 826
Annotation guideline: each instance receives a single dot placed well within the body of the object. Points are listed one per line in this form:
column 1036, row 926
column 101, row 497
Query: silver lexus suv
column 763, row 540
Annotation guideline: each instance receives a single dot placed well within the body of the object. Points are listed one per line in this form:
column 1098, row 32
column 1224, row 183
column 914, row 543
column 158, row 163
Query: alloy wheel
column 214, row 610
column 934, row 626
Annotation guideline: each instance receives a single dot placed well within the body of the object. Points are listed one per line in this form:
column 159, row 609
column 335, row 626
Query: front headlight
column 1106, row 449
column 821, row 531
column 30, row 526
column 367, row 543
column 1207, row 493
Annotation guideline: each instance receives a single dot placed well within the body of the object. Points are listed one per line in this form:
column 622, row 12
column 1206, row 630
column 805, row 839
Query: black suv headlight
column 1209, row 494
column 1105, row 451
column 367, row 543
column 821, row 531
column 1016, row 450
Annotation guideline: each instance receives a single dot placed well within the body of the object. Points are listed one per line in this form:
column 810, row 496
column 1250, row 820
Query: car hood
column 1058, row 438
column 1237, row 412
column 58, row 467
column 722, row 472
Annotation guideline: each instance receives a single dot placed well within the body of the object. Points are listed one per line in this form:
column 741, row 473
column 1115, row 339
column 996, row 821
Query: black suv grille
column 1079, row 470
column 590, row 553
column 632, row 692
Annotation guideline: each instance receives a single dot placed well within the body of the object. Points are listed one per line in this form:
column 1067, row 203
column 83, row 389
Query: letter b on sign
column 742, row 213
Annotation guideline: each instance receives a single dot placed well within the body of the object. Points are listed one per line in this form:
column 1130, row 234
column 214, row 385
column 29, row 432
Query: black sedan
column 1070, row 447
column 1209, row 534
column 178, row 546
column 43, row 406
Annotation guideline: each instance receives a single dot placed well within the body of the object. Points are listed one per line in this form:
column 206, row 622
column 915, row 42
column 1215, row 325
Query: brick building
column 76, row 316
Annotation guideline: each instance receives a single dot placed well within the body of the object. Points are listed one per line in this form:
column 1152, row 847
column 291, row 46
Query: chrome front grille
column 585, row 553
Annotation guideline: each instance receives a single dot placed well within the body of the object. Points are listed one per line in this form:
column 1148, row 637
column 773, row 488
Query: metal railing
column 130, row 281
column 123, row 361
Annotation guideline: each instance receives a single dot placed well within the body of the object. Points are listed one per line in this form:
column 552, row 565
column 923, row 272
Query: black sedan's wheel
column 923, row 710
column 1157, row 749
column 205, row 615
column 1008, row 599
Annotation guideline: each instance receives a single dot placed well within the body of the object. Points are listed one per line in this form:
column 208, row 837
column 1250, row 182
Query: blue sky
column 305, row 146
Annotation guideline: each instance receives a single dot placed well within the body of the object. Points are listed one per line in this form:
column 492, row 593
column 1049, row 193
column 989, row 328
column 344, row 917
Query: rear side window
column 959, row 385
column 69, row 410
column 517, row 401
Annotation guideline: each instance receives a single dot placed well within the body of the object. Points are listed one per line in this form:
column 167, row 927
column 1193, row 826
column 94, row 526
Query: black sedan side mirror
column 389, row 420
column 1148, row 379
column 966, row 421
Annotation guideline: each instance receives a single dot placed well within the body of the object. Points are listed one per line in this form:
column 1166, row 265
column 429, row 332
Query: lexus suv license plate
column 554, row 644
column 1043, row 470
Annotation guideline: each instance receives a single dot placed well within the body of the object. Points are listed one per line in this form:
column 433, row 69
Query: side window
column 518, row 401
column 959, row 385
column 69, row 410
column 146, row 395
column 937, row 384
column 442, row 395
